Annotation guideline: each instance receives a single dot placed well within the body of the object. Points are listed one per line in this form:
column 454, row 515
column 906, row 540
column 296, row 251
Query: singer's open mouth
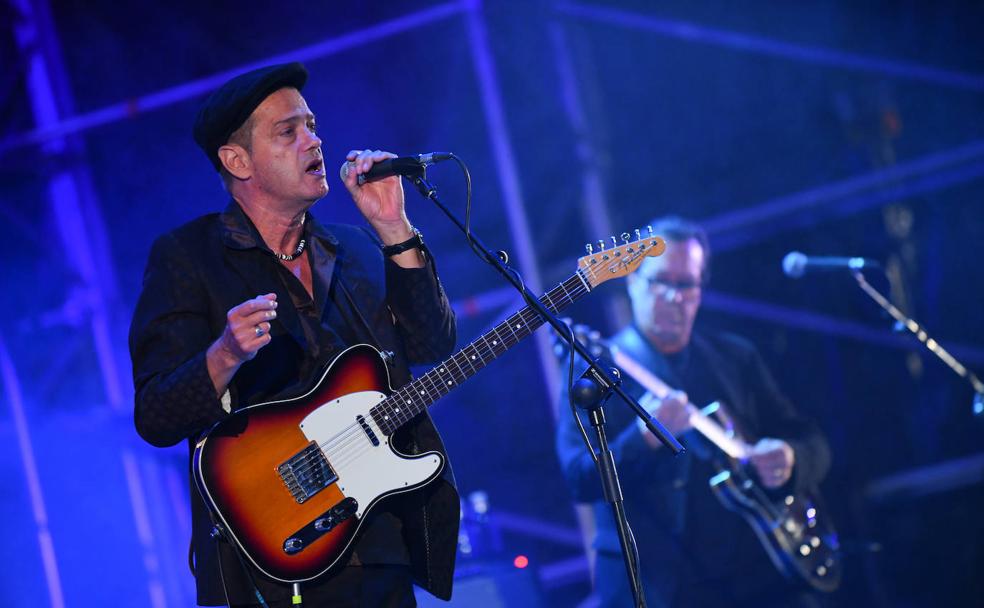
column 316, row 167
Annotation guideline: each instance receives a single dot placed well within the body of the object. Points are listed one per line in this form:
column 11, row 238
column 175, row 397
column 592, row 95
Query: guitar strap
column 358, row 314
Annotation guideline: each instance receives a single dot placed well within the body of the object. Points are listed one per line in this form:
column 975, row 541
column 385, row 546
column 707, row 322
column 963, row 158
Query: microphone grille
column 343, row 170
column 794, row 264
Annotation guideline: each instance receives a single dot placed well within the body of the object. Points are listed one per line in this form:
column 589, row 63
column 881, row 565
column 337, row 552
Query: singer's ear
column 236, row 161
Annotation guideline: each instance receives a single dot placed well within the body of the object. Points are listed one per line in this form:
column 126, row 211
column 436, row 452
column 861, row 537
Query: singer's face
column 287, row 166
column 665, row 293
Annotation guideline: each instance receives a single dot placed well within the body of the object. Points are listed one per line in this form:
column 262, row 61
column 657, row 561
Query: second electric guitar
column 793, row 527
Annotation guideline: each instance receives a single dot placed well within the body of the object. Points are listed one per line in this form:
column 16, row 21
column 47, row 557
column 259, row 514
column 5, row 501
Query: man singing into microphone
column 693, row 552
column 250, row 305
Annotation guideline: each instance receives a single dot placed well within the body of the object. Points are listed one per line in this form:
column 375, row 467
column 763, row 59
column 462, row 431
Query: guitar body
column 293, row 480
column 793, row 529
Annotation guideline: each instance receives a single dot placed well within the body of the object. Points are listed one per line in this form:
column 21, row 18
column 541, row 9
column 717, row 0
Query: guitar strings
column 338, row 450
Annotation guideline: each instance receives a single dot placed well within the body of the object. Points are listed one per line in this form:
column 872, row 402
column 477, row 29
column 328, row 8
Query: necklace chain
column 289, row 257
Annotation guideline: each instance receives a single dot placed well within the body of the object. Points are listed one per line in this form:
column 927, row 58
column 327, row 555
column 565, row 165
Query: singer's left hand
column 381, row 201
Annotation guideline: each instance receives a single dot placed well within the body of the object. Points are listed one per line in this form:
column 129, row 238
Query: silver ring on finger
column 259, row 331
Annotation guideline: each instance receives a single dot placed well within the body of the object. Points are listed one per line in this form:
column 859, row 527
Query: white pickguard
column 365, row 472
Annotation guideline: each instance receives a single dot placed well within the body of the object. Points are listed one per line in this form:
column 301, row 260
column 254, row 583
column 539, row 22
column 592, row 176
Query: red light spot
column 521, row 561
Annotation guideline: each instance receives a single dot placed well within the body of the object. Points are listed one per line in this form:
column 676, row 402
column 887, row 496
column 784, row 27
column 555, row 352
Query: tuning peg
column 589, row 248
column 626, row 237
column 650, row 228
column 601, row 245
column 614, row 241
column 638, row 235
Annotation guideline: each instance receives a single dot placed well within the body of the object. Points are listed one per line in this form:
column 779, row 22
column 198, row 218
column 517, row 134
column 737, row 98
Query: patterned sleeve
column 174, row 395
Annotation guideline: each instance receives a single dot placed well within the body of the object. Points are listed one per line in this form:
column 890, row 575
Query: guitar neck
column 413, row 398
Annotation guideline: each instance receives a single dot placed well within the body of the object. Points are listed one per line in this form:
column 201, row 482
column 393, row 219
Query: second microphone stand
column 924, row 338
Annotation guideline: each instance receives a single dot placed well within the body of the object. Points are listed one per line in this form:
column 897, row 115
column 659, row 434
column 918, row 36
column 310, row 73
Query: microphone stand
column 590, row 394
column 603, row 377
column 924, row 338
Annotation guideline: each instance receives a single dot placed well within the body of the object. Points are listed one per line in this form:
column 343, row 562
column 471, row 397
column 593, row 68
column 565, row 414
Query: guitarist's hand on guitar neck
column 773, row 460
column 673, row 412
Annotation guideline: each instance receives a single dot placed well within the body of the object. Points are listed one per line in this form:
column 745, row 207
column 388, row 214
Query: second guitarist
column 693, row 551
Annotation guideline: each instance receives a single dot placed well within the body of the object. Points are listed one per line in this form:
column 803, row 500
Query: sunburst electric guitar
column 292, row 481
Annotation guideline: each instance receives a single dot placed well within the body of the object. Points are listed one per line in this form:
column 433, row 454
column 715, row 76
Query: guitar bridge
column 307, row 473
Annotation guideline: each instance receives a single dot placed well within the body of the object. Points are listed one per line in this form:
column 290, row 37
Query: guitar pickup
column 307, row 473
column 368, row 430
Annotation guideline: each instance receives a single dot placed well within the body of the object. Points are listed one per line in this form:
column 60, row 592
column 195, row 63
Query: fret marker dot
column 397, row 410
column 449, row 383
column 473, row 357
column 408, row 403
column 386, row 417
column 421, row 392
column 494, row 342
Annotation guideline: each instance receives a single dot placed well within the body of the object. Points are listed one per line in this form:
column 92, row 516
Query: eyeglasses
column 688, row 290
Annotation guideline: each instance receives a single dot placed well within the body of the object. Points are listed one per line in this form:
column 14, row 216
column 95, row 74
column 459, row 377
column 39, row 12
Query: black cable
column 468, row 206
column 570, row 400
column 219, row 535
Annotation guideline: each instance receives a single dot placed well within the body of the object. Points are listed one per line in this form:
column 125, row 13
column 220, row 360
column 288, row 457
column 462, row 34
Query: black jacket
column 198, row 272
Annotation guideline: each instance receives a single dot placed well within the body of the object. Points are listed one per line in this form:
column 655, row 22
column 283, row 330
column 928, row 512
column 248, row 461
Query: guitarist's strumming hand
column 773, row 460
column 673, row 412
column 247, row 330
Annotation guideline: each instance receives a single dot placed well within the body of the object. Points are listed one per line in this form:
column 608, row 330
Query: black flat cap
column 227, row 108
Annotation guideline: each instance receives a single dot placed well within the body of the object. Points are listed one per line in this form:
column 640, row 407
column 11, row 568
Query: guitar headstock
column 618, row 260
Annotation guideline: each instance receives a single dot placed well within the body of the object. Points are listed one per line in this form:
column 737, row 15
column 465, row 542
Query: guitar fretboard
column 394, row 411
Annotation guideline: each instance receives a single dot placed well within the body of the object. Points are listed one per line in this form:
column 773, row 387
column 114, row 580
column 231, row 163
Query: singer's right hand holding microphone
column 380, row 201
column 673, row 412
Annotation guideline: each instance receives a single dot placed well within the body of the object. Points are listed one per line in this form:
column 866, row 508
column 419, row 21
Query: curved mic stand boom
column 923, row 336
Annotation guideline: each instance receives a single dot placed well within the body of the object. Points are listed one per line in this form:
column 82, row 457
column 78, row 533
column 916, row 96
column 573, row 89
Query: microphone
column 407, row 166
column 796, row 264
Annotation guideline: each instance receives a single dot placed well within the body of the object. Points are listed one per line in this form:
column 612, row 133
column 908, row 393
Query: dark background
column 835, row 128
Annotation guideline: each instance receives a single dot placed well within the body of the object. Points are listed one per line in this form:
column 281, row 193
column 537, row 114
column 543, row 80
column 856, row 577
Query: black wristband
column 411, row 243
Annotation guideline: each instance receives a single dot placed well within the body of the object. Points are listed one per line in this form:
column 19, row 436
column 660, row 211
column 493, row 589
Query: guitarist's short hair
column 676, row 228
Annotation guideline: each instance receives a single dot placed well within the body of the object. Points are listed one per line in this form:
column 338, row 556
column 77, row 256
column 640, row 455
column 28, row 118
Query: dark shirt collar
column 673, row 366
column 238, row 231
column 681, row 355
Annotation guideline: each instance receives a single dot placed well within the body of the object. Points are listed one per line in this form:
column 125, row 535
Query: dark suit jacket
column 655, row 484
column 201, row 270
